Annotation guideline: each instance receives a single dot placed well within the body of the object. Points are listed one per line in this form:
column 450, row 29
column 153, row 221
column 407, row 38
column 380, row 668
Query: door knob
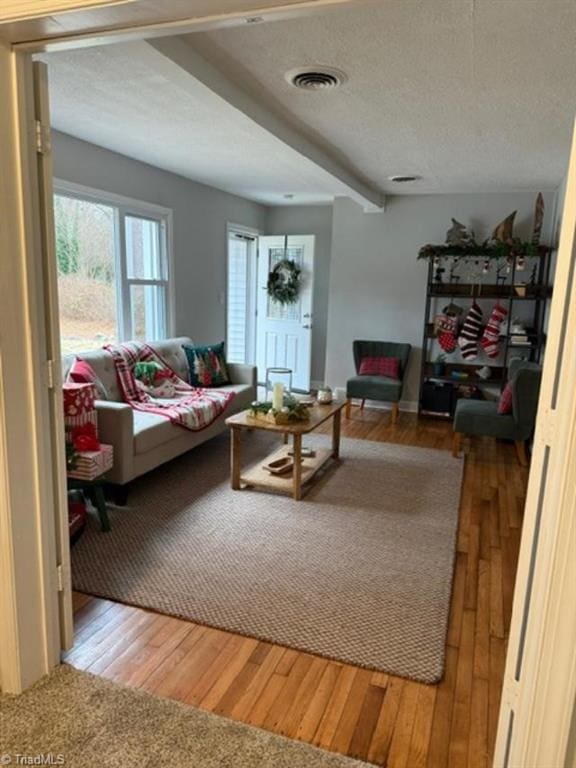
column 307, row 315
column 306, row 326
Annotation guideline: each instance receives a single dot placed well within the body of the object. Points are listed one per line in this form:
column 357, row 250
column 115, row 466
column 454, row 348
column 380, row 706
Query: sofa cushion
column 152, row 431
column 480, row 417
column 374, row 388
column 173, row 355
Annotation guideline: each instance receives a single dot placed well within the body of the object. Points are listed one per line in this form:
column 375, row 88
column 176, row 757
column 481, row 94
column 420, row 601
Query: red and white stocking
column 491, row 337
column 470, row 333
column 447, row 328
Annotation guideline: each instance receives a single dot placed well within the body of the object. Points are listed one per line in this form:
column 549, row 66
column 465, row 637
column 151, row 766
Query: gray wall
column 201, row 214
column 311, row 220
column 368, row 280
column 377, row 285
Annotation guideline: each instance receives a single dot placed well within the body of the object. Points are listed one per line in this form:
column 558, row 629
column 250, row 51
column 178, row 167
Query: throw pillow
column 380, row 366
column 82, row 372
column 505, row 404
column 207, row 365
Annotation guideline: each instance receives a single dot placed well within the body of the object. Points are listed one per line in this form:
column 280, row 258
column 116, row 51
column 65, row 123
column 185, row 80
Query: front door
column 284, row 331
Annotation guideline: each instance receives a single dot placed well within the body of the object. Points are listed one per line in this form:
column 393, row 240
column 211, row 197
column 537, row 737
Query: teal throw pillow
column 207, row 365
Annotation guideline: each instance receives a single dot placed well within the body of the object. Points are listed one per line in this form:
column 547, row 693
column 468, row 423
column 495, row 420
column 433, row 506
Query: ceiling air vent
column 315, row 78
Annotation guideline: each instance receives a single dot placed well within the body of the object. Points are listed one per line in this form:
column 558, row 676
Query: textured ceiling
column 132, row 100
column 471, row 95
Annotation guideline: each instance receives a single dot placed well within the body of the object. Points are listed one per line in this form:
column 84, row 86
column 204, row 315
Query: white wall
column 377, row 285
column 201, row 214
column 311, row 220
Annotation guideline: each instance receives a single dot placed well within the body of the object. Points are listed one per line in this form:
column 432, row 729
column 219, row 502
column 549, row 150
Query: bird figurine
column 457, row 234
column 538, row 219
column 503, row 232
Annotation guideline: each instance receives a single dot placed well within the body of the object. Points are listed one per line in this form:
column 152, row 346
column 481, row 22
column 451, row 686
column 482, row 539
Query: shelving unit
column 509, row 294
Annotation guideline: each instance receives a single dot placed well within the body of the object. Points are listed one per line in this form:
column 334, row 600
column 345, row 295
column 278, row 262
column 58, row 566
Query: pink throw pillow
column 82, row 372
column 505, row 404
column 380, row 366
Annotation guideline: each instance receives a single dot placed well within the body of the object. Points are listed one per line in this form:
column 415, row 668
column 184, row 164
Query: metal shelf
column 538, row 294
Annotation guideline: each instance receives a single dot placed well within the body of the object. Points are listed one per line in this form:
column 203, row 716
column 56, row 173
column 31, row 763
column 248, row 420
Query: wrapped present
column 78, row 398
column 79, row 408
column 89, row 465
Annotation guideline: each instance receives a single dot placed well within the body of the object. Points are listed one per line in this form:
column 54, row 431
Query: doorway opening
column 261, row 330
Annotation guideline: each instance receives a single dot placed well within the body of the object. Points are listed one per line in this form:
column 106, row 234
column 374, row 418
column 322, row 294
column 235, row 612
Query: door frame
column 537, row 714
column 30, row 633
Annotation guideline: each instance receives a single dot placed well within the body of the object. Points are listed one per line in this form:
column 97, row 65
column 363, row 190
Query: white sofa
column 143, row 441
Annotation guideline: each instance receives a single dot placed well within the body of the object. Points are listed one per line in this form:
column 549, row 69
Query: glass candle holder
column 278, row 384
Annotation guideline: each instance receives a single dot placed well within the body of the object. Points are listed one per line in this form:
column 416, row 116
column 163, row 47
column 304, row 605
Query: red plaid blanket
column 192, row 408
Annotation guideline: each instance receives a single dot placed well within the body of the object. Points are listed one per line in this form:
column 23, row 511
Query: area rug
column 74, row 719
column 360, row 571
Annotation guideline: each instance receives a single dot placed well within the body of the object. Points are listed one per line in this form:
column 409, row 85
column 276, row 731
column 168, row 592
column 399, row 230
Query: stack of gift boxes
column 91, row 458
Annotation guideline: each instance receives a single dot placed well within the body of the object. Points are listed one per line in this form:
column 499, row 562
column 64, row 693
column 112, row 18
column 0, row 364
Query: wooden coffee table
column 305, row 468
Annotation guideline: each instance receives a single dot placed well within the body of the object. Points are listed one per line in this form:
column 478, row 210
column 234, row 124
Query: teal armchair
column 480, row 417
column 379, row 388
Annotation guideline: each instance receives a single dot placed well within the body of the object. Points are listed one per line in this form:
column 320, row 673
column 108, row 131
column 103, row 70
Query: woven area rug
column 82, row 721
column 360, row 571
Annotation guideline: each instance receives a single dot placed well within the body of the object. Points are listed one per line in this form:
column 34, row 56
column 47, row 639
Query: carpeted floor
column 88, row 722
column 360, row 571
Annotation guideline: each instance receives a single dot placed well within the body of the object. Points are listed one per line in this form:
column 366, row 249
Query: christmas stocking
column 447, row 333
column 470, row 333
column 491, row 336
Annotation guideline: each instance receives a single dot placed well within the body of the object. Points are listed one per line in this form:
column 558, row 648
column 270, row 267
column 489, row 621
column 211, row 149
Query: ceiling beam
column 180, row 52
column 111, row 21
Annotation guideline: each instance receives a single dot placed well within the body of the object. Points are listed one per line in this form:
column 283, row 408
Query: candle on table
column 278, row 396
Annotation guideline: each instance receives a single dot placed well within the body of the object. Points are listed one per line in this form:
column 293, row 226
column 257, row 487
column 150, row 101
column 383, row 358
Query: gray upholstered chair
column 377, row 387
column 480, row 417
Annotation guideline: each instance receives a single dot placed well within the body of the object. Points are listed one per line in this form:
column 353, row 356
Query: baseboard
column 408, row 406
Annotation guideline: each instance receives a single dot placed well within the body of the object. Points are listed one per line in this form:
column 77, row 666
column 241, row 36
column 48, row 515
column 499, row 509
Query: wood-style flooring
column 372, row 716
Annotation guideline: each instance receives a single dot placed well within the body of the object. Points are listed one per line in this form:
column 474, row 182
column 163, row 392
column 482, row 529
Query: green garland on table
column 284, row 282
column 485, row 250
column 293, row 409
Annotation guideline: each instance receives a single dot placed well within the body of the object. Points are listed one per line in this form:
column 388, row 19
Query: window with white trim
column 241, row 296
column 113, row 269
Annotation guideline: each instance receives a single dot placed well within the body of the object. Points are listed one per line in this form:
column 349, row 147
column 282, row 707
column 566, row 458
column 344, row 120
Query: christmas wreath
column 284, row 282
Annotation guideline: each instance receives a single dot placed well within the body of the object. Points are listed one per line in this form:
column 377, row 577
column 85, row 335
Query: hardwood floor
column 372, row 716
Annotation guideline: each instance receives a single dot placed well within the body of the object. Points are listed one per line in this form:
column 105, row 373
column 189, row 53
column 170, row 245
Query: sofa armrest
column 243, row 374
column 116, row 428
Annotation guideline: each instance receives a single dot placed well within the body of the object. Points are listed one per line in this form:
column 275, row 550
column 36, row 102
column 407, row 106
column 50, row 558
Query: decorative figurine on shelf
column 458, row 234
column 538, row 219
column 520, row 264
column 503, row 231
column 486, row 267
